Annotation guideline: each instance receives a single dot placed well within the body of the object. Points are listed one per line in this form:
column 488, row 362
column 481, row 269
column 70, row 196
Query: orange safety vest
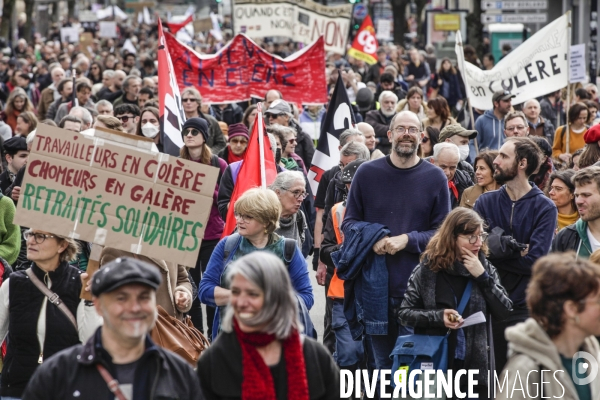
column 336, row 286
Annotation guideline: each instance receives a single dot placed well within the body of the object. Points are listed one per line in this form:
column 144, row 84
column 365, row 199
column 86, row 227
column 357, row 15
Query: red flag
column 364, row 47
column 250, row 175
column 176, row 26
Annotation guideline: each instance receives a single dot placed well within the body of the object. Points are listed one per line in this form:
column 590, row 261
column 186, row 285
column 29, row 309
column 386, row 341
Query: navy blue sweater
column 412, row 201
column 530, row 220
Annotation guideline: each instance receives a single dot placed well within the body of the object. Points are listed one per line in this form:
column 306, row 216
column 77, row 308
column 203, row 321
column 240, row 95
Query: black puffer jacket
column 462, row 182
column 72, row 373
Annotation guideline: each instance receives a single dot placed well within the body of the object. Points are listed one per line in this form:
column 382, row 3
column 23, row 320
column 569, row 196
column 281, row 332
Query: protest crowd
column 435, row 219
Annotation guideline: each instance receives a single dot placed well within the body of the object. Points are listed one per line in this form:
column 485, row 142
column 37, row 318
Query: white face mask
column 149, row 130
column 464, row 151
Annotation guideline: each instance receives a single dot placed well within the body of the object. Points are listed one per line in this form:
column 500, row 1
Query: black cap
column 350, row 170
column 124, row 271
column 197, row 123
column 14, row 144
column 364, row 99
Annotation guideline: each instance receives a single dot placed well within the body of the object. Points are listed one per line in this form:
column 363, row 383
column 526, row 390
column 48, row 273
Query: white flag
column 535, row 68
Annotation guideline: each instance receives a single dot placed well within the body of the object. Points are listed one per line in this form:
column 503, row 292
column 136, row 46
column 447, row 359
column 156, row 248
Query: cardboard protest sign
column 301, row 20
column 117, row 194
column 535, row 68
column 242, row 70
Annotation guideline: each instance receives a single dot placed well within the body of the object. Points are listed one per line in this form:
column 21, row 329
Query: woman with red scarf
column 260, row 353
column 237, row 143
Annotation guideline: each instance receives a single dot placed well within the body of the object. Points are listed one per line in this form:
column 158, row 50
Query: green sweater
column 10, row 234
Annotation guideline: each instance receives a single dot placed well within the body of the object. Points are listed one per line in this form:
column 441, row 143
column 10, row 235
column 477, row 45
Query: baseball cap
column 502, row 95
column 350, row 170
column 279, row 107
column 456, row 129
column 124, row 271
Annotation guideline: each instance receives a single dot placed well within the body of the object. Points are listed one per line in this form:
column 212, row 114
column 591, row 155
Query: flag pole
column 463, row 72
column 261, row 139
column 568, row 79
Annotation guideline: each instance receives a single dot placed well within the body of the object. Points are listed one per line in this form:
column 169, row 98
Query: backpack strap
column 289, row 248
column 465, row 297
column 230, row 242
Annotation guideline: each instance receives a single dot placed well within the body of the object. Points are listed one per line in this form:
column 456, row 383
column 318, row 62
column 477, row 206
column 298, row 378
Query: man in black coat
column 124, row 293
column 380, row 119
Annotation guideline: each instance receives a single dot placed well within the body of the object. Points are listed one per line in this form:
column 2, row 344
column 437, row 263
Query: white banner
column 301, row 20
column 535, row 68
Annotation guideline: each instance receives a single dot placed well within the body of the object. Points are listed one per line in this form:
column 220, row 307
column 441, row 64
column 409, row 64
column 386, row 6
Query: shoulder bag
column 423, row 352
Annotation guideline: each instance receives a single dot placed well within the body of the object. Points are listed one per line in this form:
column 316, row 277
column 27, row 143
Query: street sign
column 514, row 18
column 514, row 5
column 360, row 11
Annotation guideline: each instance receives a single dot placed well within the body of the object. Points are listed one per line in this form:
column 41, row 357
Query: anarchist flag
column 339, row 117
column 172, row 116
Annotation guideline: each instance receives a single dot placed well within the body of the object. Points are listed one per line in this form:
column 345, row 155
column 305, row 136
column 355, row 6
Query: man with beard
column 521, row 221
column 583, row 236
column 120, row 357
column 490, row 125
column 408, row 196
column 380, row 119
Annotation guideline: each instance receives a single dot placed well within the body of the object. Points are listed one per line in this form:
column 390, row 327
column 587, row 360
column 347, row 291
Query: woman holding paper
column 454, row 257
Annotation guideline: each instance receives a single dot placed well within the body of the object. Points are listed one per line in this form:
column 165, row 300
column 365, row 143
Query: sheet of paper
column 477, row 318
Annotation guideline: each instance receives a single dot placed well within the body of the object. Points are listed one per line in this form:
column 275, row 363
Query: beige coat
column 377, row 154
column 470, row 196
column 530, row 349
column 174, row 278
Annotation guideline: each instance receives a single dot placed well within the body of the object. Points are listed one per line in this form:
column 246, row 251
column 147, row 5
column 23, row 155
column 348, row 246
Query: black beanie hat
column 197, row 123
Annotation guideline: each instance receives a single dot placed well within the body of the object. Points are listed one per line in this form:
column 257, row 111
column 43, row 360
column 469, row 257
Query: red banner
column 242, row 70
column 364, row 46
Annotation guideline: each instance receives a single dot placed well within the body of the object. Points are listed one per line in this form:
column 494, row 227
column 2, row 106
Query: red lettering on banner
column 242, row 69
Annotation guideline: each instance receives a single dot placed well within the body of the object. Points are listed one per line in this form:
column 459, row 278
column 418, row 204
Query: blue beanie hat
column 197, row 123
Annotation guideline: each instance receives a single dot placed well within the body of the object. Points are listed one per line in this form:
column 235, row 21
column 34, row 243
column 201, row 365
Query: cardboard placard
column 108, row 190
column 86, row 40
column 92, row 267
column 203, row 24
column 69, row 35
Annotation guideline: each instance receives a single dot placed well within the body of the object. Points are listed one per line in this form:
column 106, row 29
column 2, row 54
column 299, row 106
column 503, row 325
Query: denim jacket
column 365, row 278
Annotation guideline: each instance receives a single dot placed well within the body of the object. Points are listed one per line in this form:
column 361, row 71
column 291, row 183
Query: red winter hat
column 238, row 130
column 592, row 135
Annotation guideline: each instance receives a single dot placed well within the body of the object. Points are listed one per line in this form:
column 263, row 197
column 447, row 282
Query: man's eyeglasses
column 189, row 100
column 194, row 132
column 402, row 129
column 243, row 217
column 515, row 128
column 473, row 238
column 125, row 118
column 38, row 237
column 273, row 116
column 298, row 194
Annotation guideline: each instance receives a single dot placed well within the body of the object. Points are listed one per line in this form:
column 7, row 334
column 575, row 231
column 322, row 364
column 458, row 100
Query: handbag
column 180, row 337
column 52, row 297
column 424, row 352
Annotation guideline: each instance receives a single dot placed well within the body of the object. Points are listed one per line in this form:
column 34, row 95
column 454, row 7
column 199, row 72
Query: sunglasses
column 425, row 140
column 291, row 141
column 194, row 132
column 188, row 100
column 125, row 118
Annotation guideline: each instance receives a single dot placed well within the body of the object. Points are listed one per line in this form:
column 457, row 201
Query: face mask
column 464, row 152
column 149, row 130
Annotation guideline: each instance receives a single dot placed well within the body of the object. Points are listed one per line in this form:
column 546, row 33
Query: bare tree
column 399, row 12
column 27, row 31
column 7, row 10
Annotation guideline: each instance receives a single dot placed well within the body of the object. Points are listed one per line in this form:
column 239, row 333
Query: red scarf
column 452, row 186
column 231, row 158
column 257, row 382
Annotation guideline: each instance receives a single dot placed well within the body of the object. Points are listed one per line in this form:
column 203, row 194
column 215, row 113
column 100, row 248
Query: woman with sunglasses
column 454, row 260
column 286, row 142
column 35, row 327
column 195, row 134
column 95, row 73
column 192, row 107
column 237, row 143
column 257, row 214
column 430, row 138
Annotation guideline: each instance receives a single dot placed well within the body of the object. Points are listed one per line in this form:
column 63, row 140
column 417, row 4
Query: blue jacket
column 490, row 133
column 365, row 278
column 530, row 220
column 298, row 269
